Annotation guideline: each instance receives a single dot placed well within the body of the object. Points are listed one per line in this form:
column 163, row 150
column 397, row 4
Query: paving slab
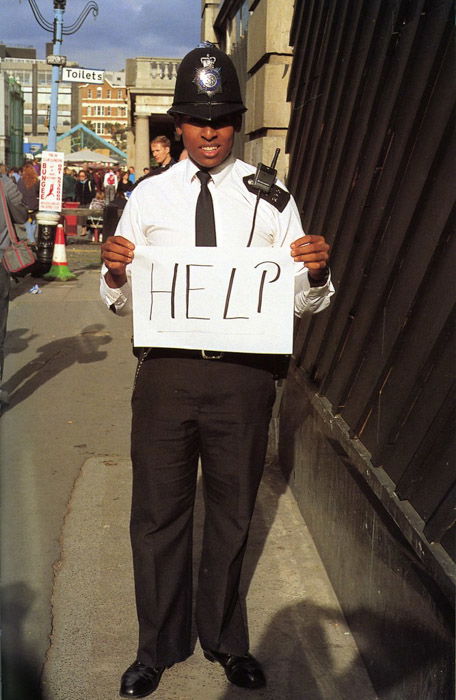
column 297, row 629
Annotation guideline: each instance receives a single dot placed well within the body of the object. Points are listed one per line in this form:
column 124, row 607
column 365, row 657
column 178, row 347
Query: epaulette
column 276, row 196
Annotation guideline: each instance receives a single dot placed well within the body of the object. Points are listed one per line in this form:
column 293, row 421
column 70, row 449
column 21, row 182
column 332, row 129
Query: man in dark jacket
column 18, row 212
column 160, row 148
column 84, row 190
column 69, row 185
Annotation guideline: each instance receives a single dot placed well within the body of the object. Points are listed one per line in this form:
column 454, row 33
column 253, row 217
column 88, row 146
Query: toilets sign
column 214, row 299
column 82, row 75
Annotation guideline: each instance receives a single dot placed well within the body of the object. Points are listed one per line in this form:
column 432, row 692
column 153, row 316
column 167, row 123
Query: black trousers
column 184, row 409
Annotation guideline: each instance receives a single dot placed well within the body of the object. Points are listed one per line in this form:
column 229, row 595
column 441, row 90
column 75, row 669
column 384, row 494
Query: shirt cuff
column 115, row 298
column 311, row 299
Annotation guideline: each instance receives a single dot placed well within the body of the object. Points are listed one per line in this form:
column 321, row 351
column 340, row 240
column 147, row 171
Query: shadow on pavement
column 17, row 341
column 20, row 669
column 53, row 358
column 272, row 488
column 296, row 639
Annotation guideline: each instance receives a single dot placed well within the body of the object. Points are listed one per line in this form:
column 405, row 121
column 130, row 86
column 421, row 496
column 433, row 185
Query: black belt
column 276, row 364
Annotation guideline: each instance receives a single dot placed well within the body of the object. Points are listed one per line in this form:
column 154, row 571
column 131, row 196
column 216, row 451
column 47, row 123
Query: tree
column 118, row 134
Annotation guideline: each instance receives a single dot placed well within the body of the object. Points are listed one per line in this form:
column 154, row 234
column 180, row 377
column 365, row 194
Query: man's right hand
column 117, row 253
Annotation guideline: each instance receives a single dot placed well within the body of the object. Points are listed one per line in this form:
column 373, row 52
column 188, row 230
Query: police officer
column 191, row 404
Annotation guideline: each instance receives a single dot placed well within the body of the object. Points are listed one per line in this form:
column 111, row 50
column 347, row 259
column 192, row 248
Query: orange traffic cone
column 59, row 268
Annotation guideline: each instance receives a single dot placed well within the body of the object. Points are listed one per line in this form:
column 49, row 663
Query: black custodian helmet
column 207, row 86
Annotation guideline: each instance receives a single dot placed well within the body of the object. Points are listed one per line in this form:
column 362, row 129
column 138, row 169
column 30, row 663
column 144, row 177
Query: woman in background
column 125, row 185
column 29, row 187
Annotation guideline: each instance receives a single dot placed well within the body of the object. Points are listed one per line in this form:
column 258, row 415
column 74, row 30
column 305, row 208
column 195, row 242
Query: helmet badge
column 208, row 79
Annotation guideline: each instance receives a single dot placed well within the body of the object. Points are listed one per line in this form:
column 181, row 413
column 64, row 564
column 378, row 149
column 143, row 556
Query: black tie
column 204, row 218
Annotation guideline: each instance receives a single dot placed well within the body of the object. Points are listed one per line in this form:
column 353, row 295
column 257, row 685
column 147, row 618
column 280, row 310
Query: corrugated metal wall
column 372, row 166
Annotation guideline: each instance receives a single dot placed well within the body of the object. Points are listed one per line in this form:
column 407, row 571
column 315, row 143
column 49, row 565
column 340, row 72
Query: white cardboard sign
column 51, row 178
column 231, row 300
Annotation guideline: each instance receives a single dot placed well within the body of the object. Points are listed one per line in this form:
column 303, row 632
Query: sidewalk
column 296, row 627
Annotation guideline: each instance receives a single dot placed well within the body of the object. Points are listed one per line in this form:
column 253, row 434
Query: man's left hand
column 313, row 251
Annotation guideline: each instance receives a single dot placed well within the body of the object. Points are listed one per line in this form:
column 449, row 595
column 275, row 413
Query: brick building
column 104, row 105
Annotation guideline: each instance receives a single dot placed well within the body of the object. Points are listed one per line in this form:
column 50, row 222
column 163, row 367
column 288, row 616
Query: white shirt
column 108, row 177
column 161, row 211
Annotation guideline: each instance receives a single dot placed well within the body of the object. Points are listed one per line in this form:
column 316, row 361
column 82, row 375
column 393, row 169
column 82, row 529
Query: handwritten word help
column 224, row 299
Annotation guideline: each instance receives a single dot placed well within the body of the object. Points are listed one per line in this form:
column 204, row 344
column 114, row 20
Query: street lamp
column 58, row 30
column 47, row 220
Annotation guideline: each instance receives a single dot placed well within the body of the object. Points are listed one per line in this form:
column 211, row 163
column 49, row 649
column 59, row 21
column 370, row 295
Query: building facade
column 150, row 85
column 105, row 107
column 35, row 77
column 256, row 35
column 11, row 122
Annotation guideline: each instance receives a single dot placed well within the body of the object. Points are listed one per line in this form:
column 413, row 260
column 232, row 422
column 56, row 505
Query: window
column 44, row 77
column 99, row 92
column 64, row 99
column 108, row 111
column 245, row 16
column 108, row 94
column 24, row 77
column 89, row 94
column 119, row 94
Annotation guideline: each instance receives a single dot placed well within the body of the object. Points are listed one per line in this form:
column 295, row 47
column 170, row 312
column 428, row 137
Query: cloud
column 123, row 29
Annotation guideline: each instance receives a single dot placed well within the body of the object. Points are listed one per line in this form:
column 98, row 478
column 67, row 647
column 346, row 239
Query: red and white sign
column 51, row 181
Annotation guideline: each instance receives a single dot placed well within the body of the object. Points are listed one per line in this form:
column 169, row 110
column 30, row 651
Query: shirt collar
column 217, row 174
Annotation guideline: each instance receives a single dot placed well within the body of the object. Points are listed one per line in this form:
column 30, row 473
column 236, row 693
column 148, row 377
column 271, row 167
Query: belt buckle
column 209, row 355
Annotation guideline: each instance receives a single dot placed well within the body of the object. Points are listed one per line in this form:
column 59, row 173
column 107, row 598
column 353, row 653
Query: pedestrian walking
column 191, row 404
column 110, row 185
column 68, row 185
column 125, row 185
column 131, row 175
column 84, row 192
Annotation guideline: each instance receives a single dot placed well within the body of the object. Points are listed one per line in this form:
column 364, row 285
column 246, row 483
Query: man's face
column 160, row 152
column 208, row 143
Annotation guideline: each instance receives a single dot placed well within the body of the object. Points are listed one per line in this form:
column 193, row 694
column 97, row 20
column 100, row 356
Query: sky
column 123, row 29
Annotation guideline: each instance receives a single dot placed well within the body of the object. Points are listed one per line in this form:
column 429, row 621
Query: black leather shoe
column 244, row 671
column 139, row 680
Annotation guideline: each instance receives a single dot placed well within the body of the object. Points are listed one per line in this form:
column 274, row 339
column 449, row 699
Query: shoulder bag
column 18, row 256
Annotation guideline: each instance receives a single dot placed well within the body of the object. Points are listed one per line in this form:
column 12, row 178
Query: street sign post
column 53, row 60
